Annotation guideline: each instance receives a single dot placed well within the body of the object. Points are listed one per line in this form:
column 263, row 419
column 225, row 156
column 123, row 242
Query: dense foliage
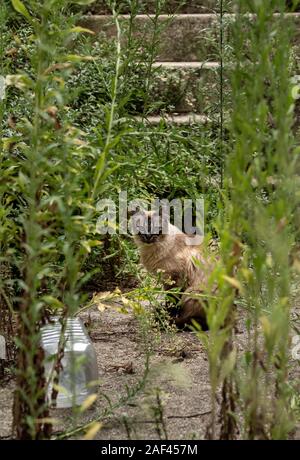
column 74, row 129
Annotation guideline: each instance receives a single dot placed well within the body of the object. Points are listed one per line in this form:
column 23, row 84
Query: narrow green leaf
column 83, row 2
column 21, row 8
column 79, row 30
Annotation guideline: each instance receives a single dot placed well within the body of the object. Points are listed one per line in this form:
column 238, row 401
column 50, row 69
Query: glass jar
column 79, row 373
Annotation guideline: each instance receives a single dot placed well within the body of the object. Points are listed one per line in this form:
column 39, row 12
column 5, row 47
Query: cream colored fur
column 175, row 259
column 172, row 255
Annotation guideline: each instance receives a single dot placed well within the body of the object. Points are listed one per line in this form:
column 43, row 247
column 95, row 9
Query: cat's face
column 148, row 227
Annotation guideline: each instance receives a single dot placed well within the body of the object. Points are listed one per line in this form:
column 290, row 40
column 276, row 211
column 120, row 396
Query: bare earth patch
column 178, row 369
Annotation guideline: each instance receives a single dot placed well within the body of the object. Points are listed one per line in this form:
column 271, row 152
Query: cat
column 167, row 250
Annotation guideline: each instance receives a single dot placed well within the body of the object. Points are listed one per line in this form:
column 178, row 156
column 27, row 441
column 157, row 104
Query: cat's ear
column 131, row 212
column 135, row 209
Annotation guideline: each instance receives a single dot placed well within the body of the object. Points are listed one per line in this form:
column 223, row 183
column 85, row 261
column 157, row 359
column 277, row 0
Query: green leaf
column 295, row 92
column 52, row 301
column 79, row 30
column 233, row 282
column 100, row 163
column 228, row 364
column 76, row 58
column 83, row 2
column 110, row 171
column 21, row 8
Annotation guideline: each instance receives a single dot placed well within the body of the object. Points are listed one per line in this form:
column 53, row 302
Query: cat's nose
column 149, row 238
column 145, row 237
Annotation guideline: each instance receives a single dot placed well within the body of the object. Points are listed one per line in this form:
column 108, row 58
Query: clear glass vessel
column 79, row 373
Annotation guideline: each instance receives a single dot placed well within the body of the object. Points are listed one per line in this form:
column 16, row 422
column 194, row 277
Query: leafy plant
column 258, row 231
